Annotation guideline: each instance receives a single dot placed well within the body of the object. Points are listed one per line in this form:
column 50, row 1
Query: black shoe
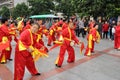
column 57, row 65
column 37, row 74
column 118, row 49
column 10, row 59
column 3, row 62
column 54, row 43
column 92, row 51
column 48, row 45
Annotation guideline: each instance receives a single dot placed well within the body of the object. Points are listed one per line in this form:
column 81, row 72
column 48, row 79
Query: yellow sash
column 70, row 38
column 4, row 40
column 98, row 37
column 51, row 32
column 39, row 36
column 21, row 46
column 90, row 38
column 70, row 33
column 20, row 26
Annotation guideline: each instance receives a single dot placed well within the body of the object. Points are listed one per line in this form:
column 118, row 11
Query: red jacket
column 28, row 26
column 66, row 35
column 105, row 27
column 65, row 25
column 93, row 31
column 27, row 38
column 4, row 31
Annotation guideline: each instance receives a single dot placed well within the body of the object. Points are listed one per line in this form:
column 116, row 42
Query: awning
column 44, row 16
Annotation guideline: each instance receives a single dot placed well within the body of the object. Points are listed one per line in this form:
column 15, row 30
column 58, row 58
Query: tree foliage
column 41, row 6
column 94, row 8
column 21, row 10
column 65, row 6
column 90, row 7
column 4, row 12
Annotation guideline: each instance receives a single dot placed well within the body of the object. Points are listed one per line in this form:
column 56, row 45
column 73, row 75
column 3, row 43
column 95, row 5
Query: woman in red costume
column 69, row 38
column 117, row 36
column 92, row 37
column 4, row 37
column 23, row 56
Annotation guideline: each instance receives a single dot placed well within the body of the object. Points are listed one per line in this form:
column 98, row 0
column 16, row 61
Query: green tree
column 94, row 8
column 41, row 6
column 4, row 12
column 65, row 6
column 98, row 7
column 21, row 10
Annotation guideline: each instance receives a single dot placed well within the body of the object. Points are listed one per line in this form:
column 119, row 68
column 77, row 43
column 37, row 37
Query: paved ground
column 104, row 64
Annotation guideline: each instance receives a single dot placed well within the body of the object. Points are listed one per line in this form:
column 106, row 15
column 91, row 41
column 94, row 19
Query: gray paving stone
column 103, row 67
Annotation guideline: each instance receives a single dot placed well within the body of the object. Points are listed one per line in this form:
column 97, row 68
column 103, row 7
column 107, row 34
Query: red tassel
column 82, row 47
column 56, row 45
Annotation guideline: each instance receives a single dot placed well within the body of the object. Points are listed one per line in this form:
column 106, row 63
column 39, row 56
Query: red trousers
column 117, row 42
column 50, row 39
column 8, row 55
column 23, row 59
column 71, row 54
column 5, row 55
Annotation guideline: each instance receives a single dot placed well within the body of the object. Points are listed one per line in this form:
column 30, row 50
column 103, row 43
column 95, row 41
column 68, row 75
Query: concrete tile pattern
column 102, row 65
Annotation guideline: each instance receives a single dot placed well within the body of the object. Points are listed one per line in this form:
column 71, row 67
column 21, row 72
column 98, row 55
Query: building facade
column 11, row 3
